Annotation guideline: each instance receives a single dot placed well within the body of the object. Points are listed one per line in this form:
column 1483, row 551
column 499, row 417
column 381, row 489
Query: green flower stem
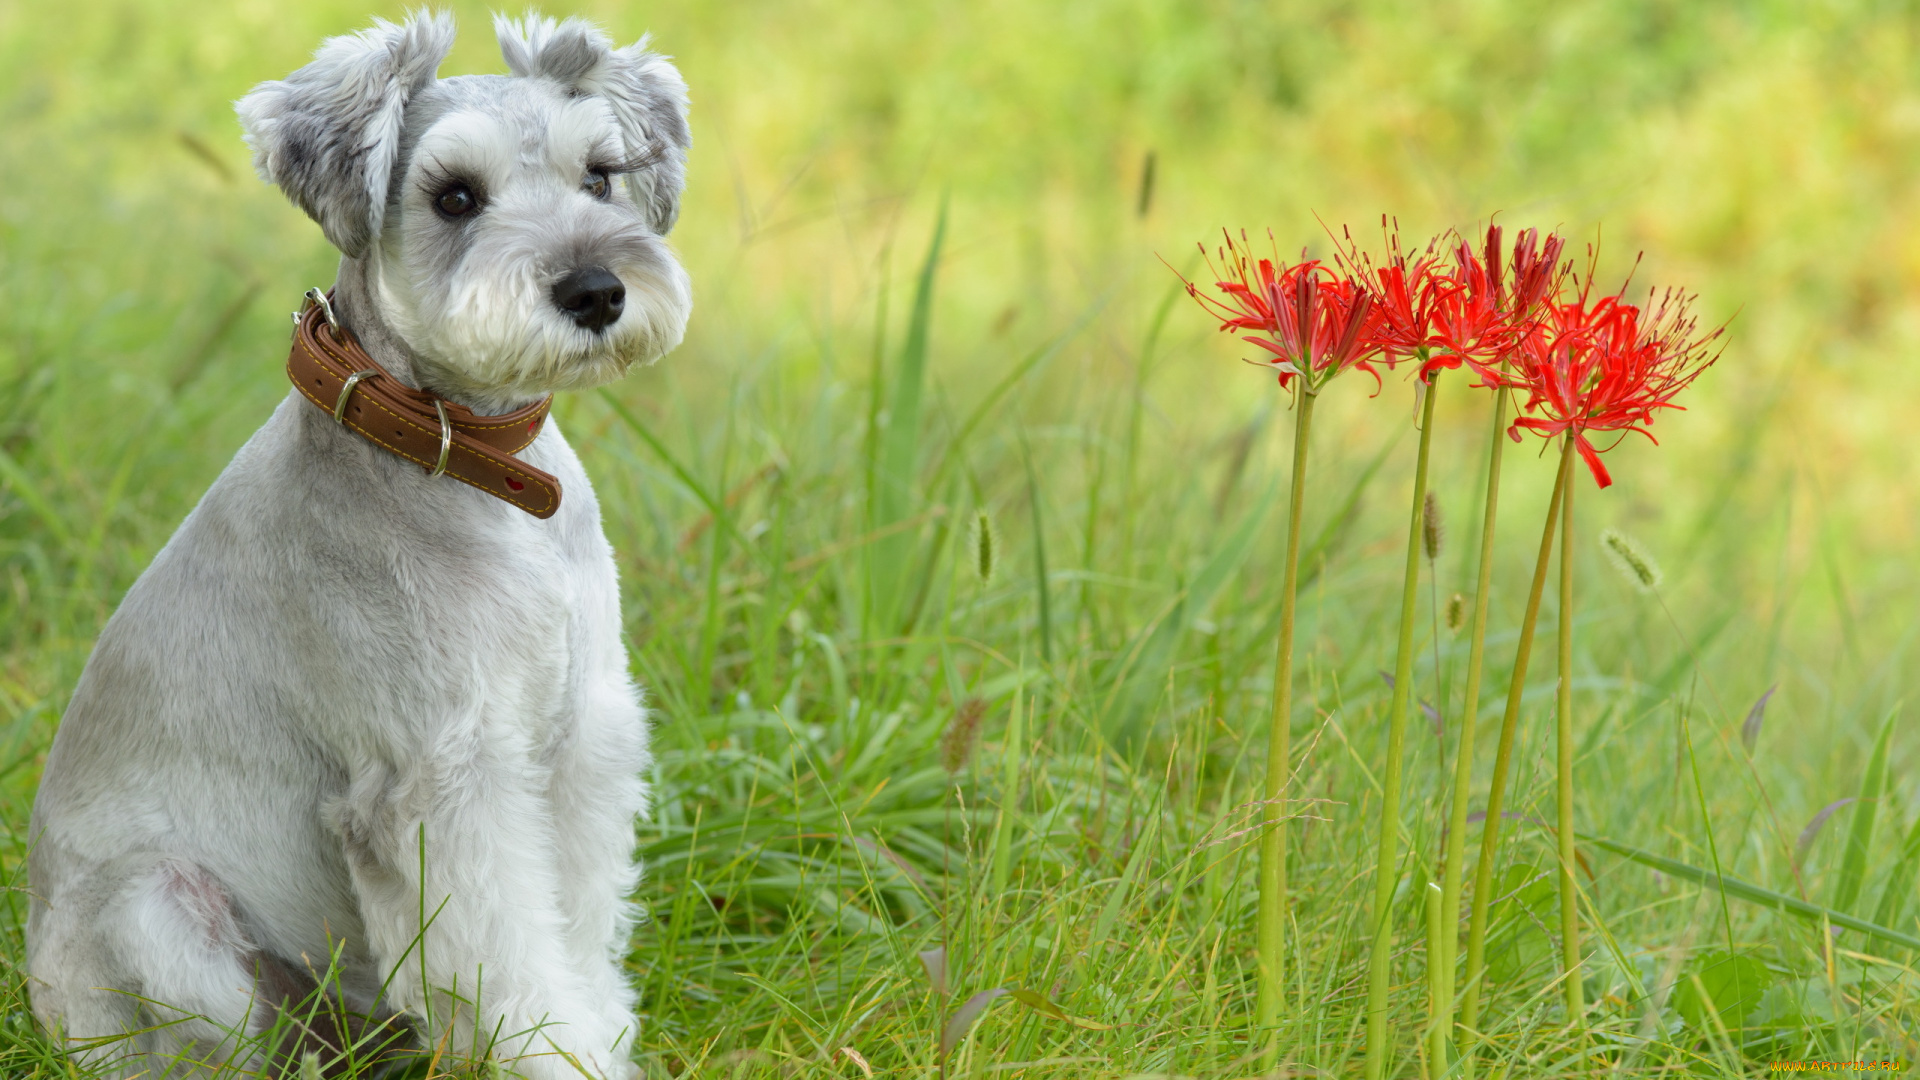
column 1386, row 874
column 1503, row 761
column 1569, row 900
column 1456, row 853
column 1436, row 974
column 1273, row 837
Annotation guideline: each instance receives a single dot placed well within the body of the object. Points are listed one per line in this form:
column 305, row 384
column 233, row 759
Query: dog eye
column 596, row 184
column 456, row 201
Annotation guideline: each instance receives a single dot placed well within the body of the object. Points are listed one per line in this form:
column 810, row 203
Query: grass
column 791, row 491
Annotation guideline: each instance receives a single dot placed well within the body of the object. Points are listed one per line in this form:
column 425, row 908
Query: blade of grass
column 950, row 455
column 876, row 406
column 1152, row 648
column 716, row 509
column 1123, row 890
column 1853, row 865
column 1045, row 607
column 1706, row 822
column 1315, row 556
column 715, row 613
column 1137, row 407
column 1751, row 893
column 30, row 493
column 1900, row 886
column 899, row 444
column 1011, row 756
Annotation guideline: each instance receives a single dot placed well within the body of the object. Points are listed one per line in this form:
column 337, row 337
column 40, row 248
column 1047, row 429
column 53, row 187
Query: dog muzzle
column 332, row 371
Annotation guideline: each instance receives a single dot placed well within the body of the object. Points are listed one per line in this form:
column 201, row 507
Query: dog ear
column 648, row 97
column 329, row 133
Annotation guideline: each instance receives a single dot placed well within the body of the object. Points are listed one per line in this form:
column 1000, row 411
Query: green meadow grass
column 792, row 495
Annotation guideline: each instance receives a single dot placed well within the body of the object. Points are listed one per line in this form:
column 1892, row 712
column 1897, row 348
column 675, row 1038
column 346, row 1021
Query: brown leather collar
column 331, row 370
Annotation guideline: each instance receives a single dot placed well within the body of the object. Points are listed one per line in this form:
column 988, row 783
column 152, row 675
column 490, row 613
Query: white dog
column 352, row 694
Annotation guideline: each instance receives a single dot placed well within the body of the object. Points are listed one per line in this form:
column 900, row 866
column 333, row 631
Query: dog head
column 512, row 226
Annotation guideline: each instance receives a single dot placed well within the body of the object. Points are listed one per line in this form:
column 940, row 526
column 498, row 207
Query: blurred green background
column 1766, row 155
column 1760, row 154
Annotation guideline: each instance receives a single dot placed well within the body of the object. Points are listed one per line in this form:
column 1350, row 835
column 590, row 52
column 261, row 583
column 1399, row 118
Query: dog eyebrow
column 647, row 156
column 435, row 174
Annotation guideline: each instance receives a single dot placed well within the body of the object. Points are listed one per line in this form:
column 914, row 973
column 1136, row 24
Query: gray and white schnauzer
column 353, row 695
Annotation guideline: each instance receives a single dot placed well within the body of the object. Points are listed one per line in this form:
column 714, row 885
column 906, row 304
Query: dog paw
column 570, row 1066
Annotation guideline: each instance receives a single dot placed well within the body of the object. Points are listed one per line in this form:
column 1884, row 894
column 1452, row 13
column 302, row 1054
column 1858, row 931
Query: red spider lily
column 1314, row 322
column 1480, row 320
column 1537, row 273
column 1474, row 324
column 1606, row 365
column 1407, row 292
column 1463, row 315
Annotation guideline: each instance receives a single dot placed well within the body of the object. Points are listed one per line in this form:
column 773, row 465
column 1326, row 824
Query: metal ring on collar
column 446, row 437
column 346, row 391
column 319, row 300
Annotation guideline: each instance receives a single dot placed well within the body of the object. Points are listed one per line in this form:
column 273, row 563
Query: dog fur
column 345, row 692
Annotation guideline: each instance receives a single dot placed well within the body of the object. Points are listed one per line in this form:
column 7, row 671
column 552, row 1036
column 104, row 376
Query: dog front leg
column 469, row 927
column 597, row 793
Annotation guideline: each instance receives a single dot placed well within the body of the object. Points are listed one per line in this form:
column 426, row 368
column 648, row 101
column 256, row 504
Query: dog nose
column 592, row 295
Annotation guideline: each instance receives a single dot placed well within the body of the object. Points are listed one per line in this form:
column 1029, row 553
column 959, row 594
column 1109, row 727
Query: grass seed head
column 1633, row 561
column 983, row 547
column 962, row 734
column 1432, row 531
column 1456, row 613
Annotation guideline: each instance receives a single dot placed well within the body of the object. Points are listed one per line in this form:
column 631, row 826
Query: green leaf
column 962, row 1021
column 1514, row 948
column 1794, row 1005
column 976, row 1006
column 1524, row 905
column 1526, row 888
column 934, row 960
column 1733, row 982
